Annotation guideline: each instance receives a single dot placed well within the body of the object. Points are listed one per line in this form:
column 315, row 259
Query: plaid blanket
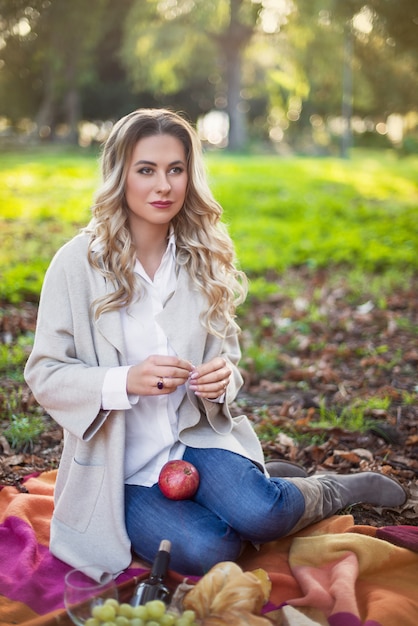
column 333, row 573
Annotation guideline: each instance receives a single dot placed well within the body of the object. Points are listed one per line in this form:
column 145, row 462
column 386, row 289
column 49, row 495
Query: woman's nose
column 163, row 184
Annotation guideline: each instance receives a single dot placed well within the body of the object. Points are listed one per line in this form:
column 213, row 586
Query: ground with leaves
column 339, row 391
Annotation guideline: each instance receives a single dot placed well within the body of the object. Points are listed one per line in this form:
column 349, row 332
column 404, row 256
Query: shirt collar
column 171, row 242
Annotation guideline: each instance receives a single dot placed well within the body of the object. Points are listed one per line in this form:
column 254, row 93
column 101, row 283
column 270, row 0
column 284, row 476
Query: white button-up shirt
column 151, row 421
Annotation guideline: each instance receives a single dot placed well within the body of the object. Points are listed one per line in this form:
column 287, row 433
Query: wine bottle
column 154, row 588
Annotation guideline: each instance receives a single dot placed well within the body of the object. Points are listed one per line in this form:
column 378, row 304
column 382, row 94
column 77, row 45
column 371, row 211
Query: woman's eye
column 148, row 171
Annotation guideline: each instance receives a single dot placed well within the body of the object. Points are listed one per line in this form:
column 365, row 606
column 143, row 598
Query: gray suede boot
column 327, row 494
column 284, row 469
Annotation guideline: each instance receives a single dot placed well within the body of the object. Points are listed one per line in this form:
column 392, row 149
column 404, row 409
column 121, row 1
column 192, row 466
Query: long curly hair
column 203, row 244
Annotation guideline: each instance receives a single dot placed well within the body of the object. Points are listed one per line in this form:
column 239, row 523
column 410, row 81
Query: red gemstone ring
column 160, row 383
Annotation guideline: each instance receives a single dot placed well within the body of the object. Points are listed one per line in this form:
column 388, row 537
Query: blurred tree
column 235, row 55
column 386, row 52
column 49, row 56
column 19, row 68
column 108, row 93
column 70, row 35
column 173, row 45
column 374, row 41
column 276, row 63
column 165, row 55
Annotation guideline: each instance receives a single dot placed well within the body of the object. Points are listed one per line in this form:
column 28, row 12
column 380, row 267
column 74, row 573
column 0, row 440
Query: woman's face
column 156, row 183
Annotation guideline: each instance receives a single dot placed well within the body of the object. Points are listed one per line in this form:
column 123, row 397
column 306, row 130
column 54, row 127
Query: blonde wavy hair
column 203, row 245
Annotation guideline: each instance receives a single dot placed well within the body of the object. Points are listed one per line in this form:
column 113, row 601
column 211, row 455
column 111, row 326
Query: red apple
column 178, row 480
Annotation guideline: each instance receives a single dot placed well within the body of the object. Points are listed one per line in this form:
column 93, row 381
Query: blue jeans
column 235, row 503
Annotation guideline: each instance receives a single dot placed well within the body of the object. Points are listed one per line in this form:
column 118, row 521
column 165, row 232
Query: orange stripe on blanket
column 10, row 609
column 34, row 507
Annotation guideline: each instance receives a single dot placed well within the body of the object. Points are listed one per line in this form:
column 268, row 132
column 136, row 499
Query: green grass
column 23, row 431
column 21, row 428
column 44, row 199
column 320, row 212
column 354, row 417
column 357, row 214
column 14, row 355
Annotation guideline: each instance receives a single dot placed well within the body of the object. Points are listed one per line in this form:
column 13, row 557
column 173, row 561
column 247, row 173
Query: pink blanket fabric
column 31, row 578
column 334, row 571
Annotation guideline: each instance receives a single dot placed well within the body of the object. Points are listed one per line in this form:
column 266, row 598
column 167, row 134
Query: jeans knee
column 272, row 518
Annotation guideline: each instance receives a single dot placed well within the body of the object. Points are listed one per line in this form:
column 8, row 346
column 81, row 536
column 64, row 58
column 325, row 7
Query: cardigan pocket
column 77, row 500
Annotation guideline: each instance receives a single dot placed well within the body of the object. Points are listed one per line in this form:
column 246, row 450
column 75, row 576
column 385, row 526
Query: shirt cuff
column 114, row 394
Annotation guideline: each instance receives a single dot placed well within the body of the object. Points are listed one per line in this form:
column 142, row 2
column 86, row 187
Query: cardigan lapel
column 110, row 327
column 180, row 320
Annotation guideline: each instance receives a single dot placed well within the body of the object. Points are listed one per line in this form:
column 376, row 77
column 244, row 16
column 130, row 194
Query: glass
column 82, row 593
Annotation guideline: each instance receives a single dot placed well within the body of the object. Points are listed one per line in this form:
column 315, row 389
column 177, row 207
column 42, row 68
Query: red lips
column 162, row 204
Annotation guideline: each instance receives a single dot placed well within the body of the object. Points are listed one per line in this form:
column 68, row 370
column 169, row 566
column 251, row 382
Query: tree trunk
column 72, row 112
column 72, row 106
column 232, row 42
column 237, row 120
column 45, row 117
column 347, row 93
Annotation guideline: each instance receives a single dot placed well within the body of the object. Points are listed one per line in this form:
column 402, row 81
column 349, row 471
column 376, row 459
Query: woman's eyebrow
column 145, row 162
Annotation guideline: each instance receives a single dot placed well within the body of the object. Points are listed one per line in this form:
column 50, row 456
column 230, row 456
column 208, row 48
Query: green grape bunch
column 153, row 613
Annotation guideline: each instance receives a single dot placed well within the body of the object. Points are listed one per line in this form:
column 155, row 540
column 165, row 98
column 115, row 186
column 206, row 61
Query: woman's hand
column 158, row 375
column 211, row 379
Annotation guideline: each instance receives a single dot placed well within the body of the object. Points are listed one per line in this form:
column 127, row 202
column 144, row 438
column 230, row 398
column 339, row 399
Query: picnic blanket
column 333, row 573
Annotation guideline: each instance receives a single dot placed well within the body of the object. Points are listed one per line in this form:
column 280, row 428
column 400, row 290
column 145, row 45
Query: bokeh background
column 305, row 76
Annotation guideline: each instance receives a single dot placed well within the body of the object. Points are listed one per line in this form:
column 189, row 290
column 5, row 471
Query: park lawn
column 359, row 215
column 320, row 212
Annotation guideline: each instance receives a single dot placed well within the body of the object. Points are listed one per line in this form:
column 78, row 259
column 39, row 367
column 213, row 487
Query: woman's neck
column 150, row 249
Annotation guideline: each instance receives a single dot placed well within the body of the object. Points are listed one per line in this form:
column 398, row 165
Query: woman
column 136, row 357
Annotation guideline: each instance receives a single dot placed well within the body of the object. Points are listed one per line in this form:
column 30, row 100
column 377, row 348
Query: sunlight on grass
column 317, row 212
column 45, row 186
column 358, row 214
